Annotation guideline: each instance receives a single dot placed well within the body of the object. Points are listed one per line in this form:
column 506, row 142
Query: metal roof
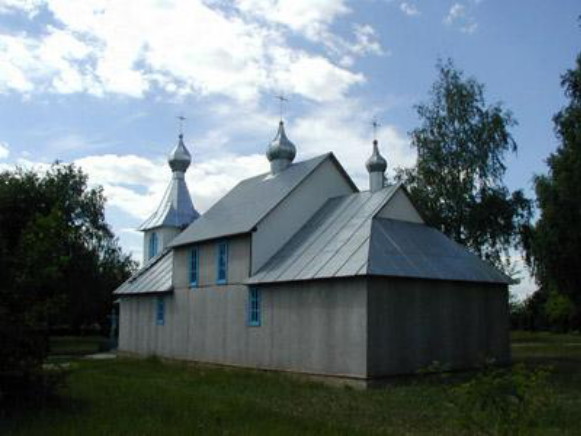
column 154, row 277
column 344, row 239
column 404, row 249
column 333, row 243
column 175, row 209
column 241, row 209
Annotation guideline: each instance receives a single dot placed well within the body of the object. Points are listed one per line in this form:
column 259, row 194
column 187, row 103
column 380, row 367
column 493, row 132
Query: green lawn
column 76, row 345
column 146, row 397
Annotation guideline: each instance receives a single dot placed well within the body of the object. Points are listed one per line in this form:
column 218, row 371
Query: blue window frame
column 222, row 263
column 254, row 306
column 152, row 245
column 160, row 311
column 194, row 266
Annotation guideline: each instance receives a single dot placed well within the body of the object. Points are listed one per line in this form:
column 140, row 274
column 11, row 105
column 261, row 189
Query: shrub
column 500, row 401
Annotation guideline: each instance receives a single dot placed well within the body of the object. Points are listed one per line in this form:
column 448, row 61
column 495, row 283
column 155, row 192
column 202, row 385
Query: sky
column 101, row 83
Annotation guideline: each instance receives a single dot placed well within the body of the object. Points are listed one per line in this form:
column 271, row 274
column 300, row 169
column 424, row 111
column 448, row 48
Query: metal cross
column 282, row 100
column 182, row 119
column 375, row 125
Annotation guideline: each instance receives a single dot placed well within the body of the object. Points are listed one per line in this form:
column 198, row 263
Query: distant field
column 151, row 398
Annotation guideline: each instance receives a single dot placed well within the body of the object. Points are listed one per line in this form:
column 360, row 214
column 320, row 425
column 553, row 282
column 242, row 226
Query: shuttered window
column 160, row 311
column 254, row 306
column 153, row 243
column 222, row 263
column 194, row 266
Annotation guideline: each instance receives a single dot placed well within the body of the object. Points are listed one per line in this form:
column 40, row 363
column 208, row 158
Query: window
column 194, row 266
column 222, row 263
column 160, row 311
column 152, row 245
column 254, row 306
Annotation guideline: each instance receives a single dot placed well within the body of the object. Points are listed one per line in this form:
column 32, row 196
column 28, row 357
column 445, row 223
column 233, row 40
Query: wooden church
column 298, row 270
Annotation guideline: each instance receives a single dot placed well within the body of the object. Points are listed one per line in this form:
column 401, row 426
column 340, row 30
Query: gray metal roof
column 404, row 249
column 241, row 209
column 154, row 277
column 344, row 239
column 333, row 243
column 175, row 209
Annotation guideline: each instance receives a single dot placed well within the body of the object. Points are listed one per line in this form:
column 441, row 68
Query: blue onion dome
column 281, row 147
column 179, row 158
column 376, row 163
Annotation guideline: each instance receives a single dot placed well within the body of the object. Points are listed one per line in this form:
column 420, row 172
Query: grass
column 76, row 345
column 147, row 397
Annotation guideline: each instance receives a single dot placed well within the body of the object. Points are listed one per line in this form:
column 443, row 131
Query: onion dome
column 376, row 163
column 281, row 150
column 179, row 158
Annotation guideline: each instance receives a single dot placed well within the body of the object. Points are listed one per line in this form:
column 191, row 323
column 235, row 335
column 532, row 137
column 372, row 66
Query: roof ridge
column 393, row 189
column 366, row 220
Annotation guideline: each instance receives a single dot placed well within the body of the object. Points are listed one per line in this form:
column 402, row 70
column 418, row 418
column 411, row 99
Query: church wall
column 164, row 234
column 288, row 217
column 315, row 327
column 400, row 208
column 238, row 262
column 413, row 323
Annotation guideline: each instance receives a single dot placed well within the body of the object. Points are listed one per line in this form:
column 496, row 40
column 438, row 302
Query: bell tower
column 175, row 211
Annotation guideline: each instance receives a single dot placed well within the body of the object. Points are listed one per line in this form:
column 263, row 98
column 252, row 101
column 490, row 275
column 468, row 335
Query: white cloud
column 135, row 185
column 366, row 40
column 29, row 7
column 456, row 12
column 182, row 47
column 527, row 284
column 51, row 63
column 459, row 16
column 346, row 131
column 409, row 9
column 308, row 17
column 4, row 151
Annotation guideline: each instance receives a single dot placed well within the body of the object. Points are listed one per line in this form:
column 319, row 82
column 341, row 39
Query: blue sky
column 100, row 83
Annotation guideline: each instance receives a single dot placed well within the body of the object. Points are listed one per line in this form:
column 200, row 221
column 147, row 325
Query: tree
column 554, row 249
column 59, row 260
column 457, row 181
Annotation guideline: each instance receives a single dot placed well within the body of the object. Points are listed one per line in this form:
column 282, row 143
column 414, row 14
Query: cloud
column 409, row 9
column 182, row 47
column 135, row 185
column 51, row 63
column 459, row 16
column 366, row 40
column 29, row 7
column 303, row 16
column 346, row 131
column 4, row 150
column 527, row 284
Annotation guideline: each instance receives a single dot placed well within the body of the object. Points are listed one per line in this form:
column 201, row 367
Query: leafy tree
column 59, row 262
column 457, row 181
column 554, row 246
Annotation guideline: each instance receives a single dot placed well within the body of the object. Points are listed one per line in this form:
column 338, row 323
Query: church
column 297, row 270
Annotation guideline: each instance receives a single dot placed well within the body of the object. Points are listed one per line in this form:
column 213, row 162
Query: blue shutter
column 254, row 307
column 194, row 267
column 222, row 263
column 160, row 311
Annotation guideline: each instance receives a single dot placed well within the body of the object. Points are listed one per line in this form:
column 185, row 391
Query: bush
column 501, row 401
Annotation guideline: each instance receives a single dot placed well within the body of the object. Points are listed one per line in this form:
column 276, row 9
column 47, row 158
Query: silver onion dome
column 376, row 163
column 179, row 158
column 281, row 148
